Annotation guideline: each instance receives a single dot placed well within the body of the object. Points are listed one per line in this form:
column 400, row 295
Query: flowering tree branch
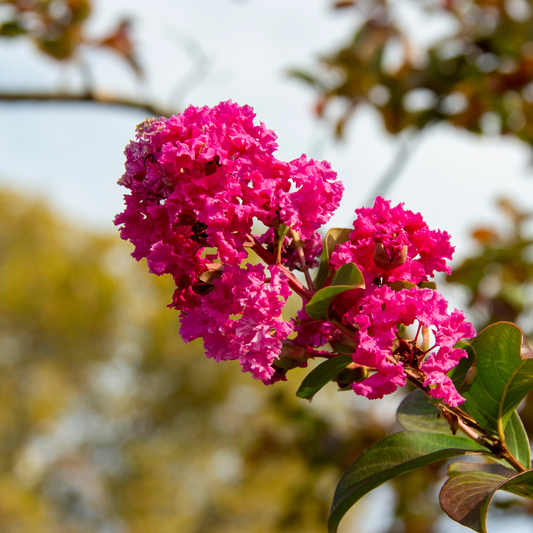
column 198, row 182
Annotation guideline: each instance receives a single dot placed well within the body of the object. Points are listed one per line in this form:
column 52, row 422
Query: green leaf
column 333, row 237
column 466, row 496
column 399, row 285
column 504, row 376
column 283, row 229
column 517, row 440
column 394, row 455
column 416, row 413
column 12, row 29
column 346, row 278
column 464, row 374
column 305, row 76
column 321, row 300
column 462, row 468
column 322, row 375
column 428, row 285
column 323, row 272
column 349, row 274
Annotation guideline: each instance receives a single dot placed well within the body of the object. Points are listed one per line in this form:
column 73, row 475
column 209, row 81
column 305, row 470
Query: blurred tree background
column 111, row 424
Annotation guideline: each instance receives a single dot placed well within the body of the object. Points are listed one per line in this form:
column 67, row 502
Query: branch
column 99, row 99
column 384, row 183
column 269, row 259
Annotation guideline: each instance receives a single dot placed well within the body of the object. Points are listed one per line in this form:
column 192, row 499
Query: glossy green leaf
column 349, row 274
column 517, row 440
column 322, row 375
column 322, row 276
column 416, row 413
column 346, row 278
column 464, row 374
column 333, row 237
column 390, row 457
column 466, row 496
column 504, row 376
column 321, row 300
column 399, row 285
column 428, row 285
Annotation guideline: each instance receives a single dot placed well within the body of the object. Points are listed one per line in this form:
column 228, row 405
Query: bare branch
column 98, row 99
column 384, row 183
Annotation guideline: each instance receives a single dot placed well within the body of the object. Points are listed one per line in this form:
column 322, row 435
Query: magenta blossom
column 240, row 318
column 395, row 250
column 312, row 248
column 393, row 244
column 199, row 181
column 376, row 316
column 202, row 178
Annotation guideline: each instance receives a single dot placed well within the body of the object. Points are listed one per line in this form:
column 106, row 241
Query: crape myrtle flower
column 391, row 245
column 197, row 183
column 241, row 319
column 376, row 315
column 312, row 333
column 201, row 179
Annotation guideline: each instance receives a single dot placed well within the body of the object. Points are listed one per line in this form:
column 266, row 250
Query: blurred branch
column 85, row 98
column 386, row 181
column 201, row 65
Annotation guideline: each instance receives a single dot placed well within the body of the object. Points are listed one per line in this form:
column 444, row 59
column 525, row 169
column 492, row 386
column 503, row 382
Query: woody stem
column 300, row 251
column 269, row 259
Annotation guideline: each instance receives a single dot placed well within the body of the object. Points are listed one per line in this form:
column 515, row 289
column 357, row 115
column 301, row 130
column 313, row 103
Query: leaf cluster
column 58, row 28
column 503, row 364
column 478, row 72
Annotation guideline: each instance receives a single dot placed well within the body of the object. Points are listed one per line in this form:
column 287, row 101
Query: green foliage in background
column 476, row 74
column 58, row 28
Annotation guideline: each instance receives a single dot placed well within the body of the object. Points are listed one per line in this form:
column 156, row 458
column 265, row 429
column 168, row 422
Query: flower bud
column 386, row 262
column 352, row 373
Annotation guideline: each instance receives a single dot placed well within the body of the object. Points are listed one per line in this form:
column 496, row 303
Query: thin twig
column 301, row 255
column 91, row 98
column 269, row 259
column 406, row 149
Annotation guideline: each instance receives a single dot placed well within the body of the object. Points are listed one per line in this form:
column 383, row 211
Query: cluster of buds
column 199, row 182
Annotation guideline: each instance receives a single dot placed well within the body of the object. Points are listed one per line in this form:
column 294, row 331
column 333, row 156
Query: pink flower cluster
column 197, row 183
column 200, row 180
column 376, row 315
column 240, row 319
column 380, row 236
column 392, row 246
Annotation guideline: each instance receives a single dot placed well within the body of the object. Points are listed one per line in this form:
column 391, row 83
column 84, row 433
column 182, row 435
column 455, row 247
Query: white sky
column 73, row 154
